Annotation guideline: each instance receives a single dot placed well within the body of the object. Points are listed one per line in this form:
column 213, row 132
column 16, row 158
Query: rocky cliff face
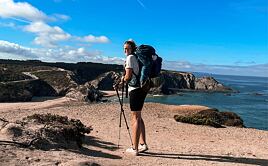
column 85, row 92
column 83, row 80
column 210, row 84
column 13, row 92
column 22, row 86
column 169, row 81
column 60, row 80
column 105, row 81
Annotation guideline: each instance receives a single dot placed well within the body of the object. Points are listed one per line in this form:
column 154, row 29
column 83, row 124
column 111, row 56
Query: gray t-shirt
column 132, row 63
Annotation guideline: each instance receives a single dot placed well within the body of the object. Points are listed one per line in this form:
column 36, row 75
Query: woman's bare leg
column 142, row 133
column 136, row 128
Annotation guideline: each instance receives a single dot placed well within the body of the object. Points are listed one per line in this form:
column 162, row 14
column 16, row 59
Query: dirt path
column 170, row 142
column 34, row 105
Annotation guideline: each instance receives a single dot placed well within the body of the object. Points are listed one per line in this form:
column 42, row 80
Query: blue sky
column 221, row 37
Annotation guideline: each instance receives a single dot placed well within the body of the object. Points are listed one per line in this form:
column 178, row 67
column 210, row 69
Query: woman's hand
column 122, row 79
column 120, row 84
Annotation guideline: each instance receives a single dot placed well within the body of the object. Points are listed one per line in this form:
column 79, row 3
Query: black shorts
column 136, row 99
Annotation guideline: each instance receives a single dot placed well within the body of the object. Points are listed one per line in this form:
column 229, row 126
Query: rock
column 94, row 94
column 170, row 81
column 231, row 119
column 210, row 84
column 212, row 117
column 60, row 80
column 80, row 163
column 24, row 90
column 11, row 130
column 40, row 88
column 258, row 94
column 105, row 81
column 14, row 92
column 7, row 75
column 167, row 83
column 49, row 131
column 76, row 94
column 85, row 93
column 53, row 82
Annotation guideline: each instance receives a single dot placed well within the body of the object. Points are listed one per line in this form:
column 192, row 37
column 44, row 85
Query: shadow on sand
column 226, row 159
column 93, row 141
column 72, row 147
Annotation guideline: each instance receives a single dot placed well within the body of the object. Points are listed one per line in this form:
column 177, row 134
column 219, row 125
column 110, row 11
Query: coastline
column 167, row 139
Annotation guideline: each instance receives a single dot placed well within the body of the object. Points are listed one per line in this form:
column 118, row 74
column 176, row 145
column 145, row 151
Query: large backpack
column 150, row 64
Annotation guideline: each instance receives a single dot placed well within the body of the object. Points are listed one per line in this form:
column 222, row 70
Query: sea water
column 250, row 102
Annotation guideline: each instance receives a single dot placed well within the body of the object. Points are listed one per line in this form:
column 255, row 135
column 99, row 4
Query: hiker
column 136, row 99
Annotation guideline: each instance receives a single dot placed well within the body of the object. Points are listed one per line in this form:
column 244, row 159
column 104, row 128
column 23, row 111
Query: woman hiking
column 137, row 96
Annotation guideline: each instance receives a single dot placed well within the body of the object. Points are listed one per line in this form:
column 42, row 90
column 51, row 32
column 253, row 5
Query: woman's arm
column 128, row 74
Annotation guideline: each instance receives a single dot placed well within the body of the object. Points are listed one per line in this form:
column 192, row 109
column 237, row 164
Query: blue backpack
column 150, row 64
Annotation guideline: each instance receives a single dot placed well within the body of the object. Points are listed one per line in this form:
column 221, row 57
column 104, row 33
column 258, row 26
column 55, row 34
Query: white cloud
column 15, row 49
column 246, row 70
column 61, row 17
column 95, row 39
column 47, row 36
column 68, row 55
column 112, row 60
column 10, row 50
column 36, row 20
column 23, row 10
column 240, row 62
column 177, row 65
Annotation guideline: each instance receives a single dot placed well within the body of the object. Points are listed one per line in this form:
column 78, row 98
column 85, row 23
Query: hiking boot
column 142, row 148
column 132, row 151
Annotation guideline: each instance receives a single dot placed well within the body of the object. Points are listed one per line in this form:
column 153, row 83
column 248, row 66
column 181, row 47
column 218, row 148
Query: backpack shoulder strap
column 139, row 65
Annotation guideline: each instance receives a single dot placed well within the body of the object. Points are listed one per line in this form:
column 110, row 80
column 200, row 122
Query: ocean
column 250, row 103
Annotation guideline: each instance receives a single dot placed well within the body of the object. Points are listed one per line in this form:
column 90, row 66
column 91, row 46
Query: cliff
column 21, row 80
column 169, row 82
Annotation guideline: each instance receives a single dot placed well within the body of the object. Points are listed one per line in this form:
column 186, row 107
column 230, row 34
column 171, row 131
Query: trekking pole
column 126, row 90
column 120, row 118
column 122, row 112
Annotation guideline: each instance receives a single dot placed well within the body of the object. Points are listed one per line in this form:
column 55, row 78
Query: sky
column 227, row 37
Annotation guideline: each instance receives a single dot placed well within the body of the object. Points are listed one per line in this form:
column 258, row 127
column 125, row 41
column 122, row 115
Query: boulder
column 85, row 93
column 210, row 84
column 105, row 81
column 170, row 81
column 212, row 117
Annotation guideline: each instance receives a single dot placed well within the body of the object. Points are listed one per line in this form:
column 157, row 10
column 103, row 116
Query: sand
column 170, row 142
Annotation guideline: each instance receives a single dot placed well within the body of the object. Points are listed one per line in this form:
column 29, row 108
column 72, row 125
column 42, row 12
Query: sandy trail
column 34, row 105
column 170, row 142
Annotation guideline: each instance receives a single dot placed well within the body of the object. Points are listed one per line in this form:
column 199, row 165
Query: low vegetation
column 46, row 131
column 212, row 117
